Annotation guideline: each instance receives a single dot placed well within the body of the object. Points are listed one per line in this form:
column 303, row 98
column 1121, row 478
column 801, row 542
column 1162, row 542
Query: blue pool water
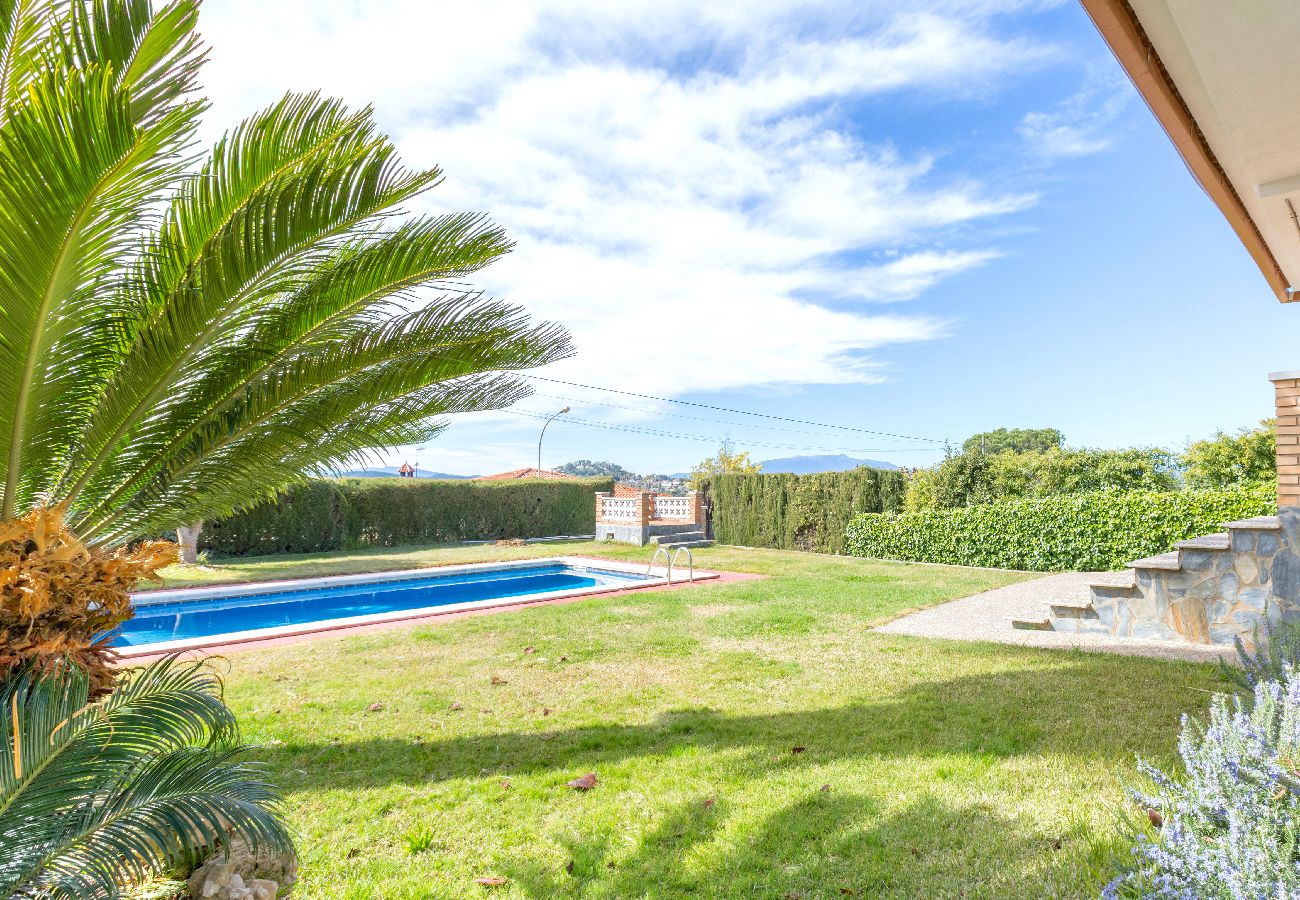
column 214, row 616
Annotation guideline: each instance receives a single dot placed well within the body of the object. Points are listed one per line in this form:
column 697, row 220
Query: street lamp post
column 542, row 435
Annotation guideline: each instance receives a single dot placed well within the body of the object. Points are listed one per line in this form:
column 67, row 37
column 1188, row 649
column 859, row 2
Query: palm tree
column 180, row 337
column 97, row 795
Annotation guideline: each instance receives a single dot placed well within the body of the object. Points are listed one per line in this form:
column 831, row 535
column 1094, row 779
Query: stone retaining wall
column 1216, row 595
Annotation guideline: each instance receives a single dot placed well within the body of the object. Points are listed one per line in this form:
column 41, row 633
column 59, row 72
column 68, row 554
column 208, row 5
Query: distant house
column 527, row 473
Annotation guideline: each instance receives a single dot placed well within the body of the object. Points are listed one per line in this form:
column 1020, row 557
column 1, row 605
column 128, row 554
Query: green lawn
column 751, row 739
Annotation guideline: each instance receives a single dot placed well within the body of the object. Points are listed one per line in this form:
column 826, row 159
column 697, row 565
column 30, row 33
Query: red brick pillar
column 645, row 506
column 697, row 507
column 600, row 503
column 1286, row 385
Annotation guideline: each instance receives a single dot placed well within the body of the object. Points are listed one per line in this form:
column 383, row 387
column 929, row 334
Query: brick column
column 600, row 503
column 697, row 507
column 645, row 508
column 1287, row 387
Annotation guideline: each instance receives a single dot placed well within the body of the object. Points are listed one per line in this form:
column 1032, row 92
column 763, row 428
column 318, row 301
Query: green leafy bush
column 1088, row 531
column 304, row 519
column 390, row 512
column 973, row 477
column 799, row 512
column 1224, row 460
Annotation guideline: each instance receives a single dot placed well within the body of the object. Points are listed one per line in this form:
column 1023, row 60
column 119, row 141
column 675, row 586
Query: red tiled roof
column 622, row 490
column 525, row 473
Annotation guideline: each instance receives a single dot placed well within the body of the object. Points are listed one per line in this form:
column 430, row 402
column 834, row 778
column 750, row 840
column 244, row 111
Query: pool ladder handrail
column 664, row 551
column 690, row 563
column 672, row 560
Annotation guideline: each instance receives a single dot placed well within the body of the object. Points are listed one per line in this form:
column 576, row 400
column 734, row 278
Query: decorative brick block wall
column 1286, row 385
column 645, row 506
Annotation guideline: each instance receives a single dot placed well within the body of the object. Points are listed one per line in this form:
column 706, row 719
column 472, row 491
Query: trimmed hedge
column 1101, row 530
column 799, row 512
column 389, row 512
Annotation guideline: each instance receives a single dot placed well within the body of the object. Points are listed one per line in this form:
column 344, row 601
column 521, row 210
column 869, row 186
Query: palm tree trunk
column 188, row 537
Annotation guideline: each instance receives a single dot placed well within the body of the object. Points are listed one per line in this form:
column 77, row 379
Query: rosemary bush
column 1276, row 648
column 1228, row 827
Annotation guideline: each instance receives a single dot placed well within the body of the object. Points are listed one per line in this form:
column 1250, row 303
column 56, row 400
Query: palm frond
column 72, row 152
column 269, row 245
column 258, row 326
column 352, row 293
column 24, row 30
column 91, row 794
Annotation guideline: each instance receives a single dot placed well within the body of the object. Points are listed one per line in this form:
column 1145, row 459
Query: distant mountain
column 391, row 472
column 806, row 465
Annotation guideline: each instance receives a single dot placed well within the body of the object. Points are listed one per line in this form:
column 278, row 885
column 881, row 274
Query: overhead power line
column 710, row 420
column 655, row 432
column 740, row 412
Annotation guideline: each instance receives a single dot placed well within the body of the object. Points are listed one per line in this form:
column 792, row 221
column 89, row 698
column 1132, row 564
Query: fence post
column 645, row 507
column 697, row 507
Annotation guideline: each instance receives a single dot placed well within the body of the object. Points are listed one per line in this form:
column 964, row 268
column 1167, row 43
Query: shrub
column 920, row 492
column 799, row 512
column 1228, row 459
column 971, row 478
column 1097, row 530
column 1228, row 827
column 1276, row 649
column 60, row 599
column 388, row 512
column 98, row 796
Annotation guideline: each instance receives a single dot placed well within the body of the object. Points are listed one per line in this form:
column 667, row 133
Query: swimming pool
column 198, row 617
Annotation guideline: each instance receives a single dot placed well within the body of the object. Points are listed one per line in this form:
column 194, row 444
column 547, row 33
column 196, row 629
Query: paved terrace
column 987, row 617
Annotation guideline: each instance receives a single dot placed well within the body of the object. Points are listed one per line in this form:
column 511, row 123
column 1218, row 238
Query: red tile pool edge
column 432, row 618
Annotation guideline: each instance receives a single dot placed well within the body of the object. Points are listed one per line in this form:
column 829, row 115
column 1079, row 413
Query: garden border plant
column 799, row 512
column 1100, row 530
column 1228, row 826
column 353, row 513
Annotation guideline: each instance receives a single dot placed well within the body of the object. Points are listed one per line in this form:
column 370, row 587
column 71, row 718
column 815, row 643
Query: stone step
column 1080, row 626
column 1209, row 542
column 1106, row 590
column 695, row 544
column 1072, row 609
column 1044, row 624
column 677, row 537
column 1258, row 523
column 659, row 528
column 1169, row 562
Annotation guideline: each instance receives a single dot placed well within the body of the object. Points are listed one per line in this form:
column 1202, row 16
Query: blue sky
column 922, row 218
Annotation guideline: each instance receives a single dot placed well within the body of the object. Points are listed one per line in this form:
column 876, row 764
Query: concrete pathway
column 987, row 617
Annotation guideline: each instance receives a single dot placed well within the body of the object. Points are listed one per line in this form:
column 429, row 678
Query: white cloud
column 687, row 194
column 1081, row 124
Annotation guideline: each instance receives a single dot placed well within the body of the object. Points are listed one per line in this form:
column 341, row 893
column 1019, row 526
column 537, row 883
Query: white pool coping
column 182, row 595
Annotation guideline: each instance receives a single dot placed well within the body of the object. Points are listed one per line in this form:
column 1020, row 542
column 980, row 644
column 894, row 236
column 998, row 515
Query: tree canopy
column 727, row 462
column 1014, row 440
column 1247, row 456
column 587, row 468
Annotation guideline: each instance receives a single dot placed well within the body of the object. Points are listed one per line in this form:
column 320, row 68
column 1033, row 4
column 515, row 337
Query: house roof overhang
column 1220, row 78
